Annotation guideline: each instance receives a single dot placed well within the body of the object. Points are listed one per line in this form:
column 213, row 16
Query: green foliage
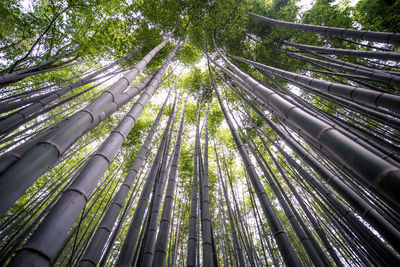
column 378, row 15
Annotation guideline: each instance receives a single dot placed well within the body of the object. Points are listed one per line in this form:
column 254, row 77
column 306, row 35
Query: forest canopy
column 199, row 133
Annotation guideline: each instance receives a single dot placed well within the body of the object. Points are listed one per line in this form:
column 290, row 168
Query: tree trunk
column 381, row 37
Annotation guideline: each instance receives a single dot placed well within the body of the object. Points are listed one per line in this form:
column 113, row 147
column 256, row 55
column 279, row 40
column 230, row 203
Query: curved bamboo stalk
column 384, row 176
column 381, row 37
column 356, row 94
column 385, row 55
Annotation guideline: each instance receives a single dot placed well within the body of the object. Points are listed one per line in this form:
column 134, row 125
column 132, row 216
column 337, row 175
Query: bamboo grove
column 281, row 148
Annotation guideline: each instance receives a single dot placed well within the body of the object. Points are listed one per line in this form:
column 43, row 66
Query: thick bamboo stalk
column 37, row 249
column 41, row 103
column 44, row 153
column 126, row 256
column 381, row 37
column 39, row 154
column 357, row 94
column 379, row 146
column 192, row 240
column 384, row 176
column 384, row 55
column 208, row 254
column 160, row 250
column 94, row 251
column 289, row 255
column 390, row 233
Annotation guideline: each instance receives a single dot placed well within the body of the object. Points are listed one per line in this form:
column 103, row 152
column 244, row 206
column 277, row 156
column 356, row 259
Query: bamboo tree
column 176, row 240
column 163, row 232
column 49, row 149
column 126, row 256
column 192, row 241
column 311, row 251
column 206, row 233
column 80, row 190
column 381, row 37
column 228, row 206
column 385, row 55
column 289, row 255
column 94, row 251
column 368, row 167
column 15, row 118
column 376, row 74
column 148, row 245
column 368, row 212
column 356, row 94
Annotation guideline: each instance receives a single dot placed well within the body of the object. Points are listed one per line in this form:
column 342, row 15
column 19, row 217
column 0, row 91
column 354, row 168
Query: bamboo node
column 15, row 155
column 278, row 232
column 90, row 113
column 103, row 156
column 126, row 79
column 323, row 131
column 38, row 251
column 79, row 192
column 383, row 175
column 112, row 95
column 59, row 151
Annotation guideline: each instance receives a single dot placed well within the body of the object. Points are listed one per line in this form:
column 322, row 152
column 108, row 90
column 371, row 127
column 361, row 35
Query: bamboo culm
column 126, row 256
column 160, row 249
column 40, row 155
column 373, row 169
column 94, row 251
column 75, row 197
column 381, row 37
column 289, row 255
